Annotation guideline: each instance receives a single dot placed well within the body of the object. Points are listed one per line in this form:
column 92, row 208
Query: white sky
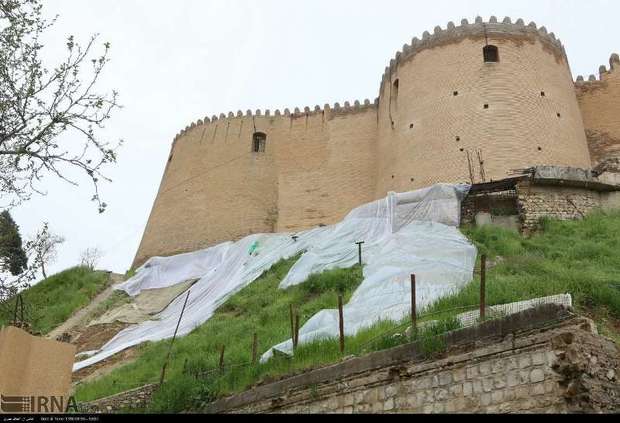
column 174, row 62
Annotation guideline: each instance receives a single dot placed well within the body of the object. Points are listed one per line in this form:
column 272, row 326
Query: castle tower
column 468, row 103
column 500, row 93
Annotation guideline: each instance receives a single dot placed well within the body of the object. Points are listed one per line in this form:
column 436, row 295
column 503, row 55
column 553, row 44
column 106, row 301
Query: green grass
column 53, row 300
column 262, row 308
column 578, row 257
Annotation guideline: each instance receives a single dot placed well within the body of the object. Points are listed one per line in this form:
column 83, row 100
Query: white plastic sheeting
column 404, row 233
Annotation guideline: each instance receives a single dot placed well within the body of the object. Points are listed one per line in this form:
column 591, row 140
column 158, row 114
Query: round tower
column 473, row 102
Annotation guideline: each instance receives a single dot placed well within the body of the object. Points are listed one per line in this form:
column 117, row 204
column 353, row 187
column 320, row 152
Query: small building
column 519, row 202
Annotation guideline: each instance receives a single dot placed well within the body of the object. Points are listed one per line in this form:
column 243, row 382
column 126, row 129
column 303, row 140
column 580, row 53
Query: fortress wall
column 509, row 133
column 599, row 100
column 317, row 166
column 214, row 189
column 326, row 167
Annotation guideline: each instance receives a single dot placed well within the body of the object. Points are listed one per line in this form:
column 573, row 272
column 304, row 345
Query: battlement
column 479, row 28
column 614, row 65
column 458, row 111
column 336, row 109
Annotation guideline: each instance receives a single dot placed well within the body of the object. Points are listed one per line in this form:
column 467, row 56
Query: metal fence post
column 163, row 369
column 359, row 252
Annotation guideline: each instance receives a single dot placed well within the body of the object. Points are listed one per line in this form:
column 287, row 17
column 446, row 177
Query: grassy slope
column 54, row 300
column 260, row 308
column 580, row 258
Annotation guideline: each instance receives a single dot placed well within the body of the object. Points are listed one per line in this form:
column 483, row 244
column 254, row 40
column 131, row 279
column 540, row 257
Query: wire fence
column 425, row 330
column 428, row 341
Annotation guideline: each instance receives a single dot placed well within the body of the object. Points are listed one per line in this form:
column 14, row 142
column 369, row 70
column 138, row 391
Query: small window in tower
column 455, row 93
column 491, row 54
column 259, row 139
column 395, row 88
column 542, row 93
column 486, row 106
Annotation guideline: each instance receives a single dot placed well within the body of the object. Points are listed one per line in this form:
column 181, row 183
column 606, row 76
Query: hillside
column 577, row 257
column 580, row 258
column 53, row 300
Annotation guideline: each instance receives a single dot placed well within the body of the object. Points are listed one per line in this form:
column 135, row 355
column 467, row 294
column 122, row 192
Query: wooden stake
column 341, row 323
column 292, row 324
column 414, row 325
column 296, row 336
column 483, row 277
column 222, row 357
column 254, row 348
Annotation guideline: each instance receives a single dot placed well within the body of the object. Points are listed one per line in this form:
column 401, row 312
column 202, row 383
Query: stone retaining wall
column 565, row 367
column 136, row 399
column 565, row 203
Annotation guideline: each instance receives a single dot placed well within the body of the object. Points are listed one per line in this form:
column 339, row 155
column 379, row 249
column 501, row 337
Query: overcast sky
column 174, row 62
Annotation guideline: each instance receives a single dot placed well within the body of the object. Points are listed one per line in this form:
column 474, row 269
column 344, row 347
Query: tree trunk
column 43, row 270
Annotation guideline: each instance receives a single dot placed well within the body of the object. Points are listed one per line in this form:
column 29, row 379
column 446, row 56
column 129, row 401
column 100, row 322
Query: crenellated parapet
column 333, row 110
column 478, row 29
column 463, row 103
column 603, row 72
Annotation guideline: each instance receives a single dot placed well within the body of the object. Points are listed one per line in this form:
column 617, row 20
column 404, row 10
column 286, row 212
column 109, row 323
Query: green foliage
column 260, row 307
column 577, row 257
column 52, row 301
column 580, row 257
column 430, row 339
column 12, row 255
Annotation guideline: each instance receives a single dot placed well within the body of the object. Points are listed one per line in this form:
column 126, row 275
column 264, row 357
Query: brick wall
column 564, row 367
column 316, row 167
column 321, row 163
column 599, row 101
column 434, row 129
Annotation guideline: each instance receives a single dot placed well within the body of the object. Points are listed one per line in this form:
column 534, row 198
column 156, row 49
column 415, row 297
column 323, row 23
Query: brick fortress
column 468, row 103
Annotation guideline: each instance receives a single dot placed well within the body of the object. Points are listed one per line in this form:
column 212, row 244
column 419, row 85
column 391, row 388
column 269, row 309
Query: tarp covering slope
column 404, row 233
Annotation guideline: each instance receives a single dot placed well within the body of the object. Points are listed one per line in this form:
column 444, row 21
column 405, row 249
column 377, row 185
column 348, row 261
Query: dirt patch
column 144, row 306
column 105, row 366
column 94, row 337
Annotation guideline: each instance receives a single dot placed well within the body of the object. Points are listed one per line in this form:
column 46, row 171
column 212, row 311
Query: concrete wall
column 321, row 163
column 599, row 100
column 562, row 367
